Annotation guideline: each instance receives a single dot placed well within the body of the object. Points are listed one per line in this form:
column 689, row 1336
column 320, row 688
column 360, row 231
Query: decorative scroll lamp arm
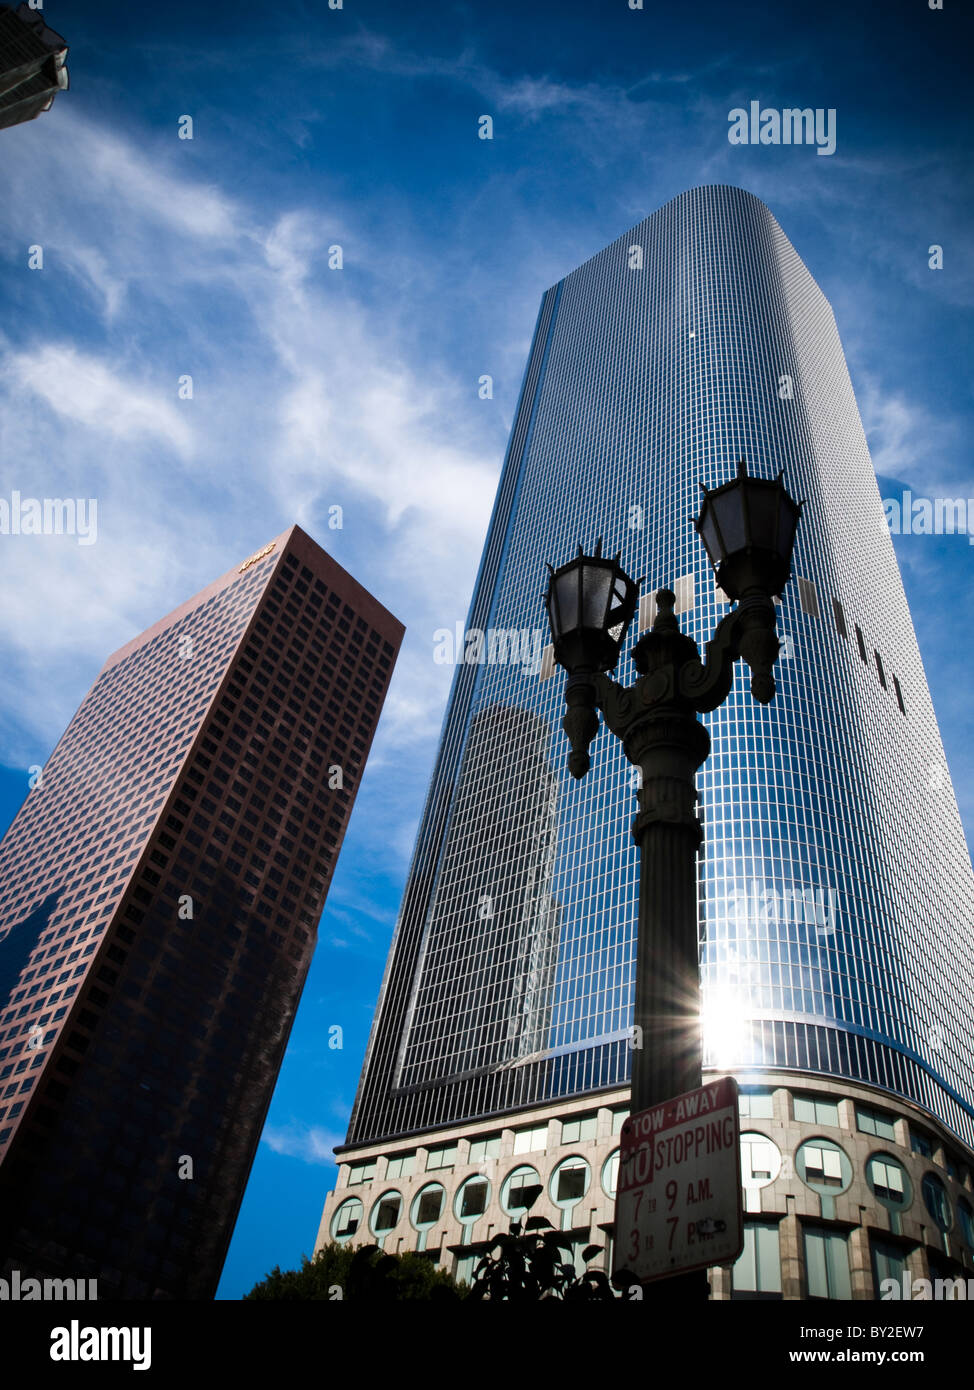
column 748, row 631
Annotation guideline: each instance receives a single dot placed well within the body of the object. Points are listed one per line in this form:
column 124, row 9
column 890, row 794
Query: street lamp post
column 748, row 528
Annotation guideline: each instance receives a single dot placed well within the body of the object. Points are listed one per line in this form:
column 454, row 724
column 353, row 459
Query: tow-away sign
column 678, row 1201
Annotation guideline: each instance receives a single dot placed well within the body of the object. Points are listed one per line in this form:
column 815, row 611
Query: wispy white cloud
column 127, row 176
column 82, row 389
column 309, row 1143
column 908, row 442
column 306, row 395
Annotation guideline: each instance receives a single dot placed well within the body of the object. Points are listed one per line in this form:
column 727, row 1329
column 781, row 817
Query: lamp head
column 590, row 601
column 748, row 529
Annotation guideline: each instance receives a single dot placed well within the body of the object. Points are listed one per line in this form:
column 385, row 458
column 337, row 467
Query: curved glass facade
column 837, row 899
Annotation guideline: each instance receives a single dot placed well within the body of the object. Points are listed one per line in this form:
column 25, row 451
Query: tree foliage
column 532, row 1262
column 529, row 1264
column 341, row 1272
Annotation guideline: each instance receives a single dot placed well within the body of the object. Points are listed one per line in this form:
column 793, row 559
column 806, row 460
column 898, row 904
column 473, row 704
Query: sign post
column 678, row 1201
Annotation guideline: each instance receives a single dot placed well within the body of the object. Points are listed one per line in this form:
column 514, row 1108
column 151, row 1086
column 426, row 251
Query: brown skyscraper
column 160, row 891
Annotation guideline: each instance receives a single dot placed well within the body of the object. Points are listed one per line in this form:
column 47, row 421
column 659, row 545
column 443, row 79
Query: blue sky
column 313, row 387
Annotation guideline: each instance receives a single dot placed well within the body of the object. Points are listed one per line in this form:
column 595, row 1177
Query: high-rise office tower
column 32, row 65
column 837, row 951
column 159, row 897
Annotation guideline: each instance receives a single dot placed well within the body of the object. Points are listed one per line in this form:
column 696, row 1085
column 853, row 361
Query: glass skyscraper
column 836, row 893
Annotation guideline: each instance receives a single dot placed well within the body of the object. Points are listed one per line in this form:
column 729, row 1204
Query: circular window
column 889, row 1180
column 760, row 1160
column 938, row 1203
column 385, row 1213
column 471, row 1200
column 823, row 1166
column 610, row 1174
column 569, row 1182
column 521, row 1188
column 427, row 1206
column 346, row 1220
